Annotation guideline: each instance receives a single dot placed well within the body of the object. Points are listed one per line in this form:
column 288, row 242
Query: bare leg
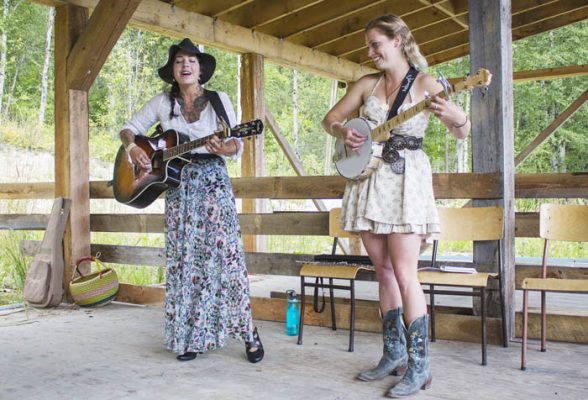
column 394, row 358
column 377, row 249
column 404, row 250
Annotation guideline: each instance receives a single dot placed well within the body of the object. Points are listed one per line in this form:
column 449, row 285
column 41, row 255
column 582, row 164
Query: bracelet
column 331, row 126
column 130, row 147
column 462, row 125
column 237, row 147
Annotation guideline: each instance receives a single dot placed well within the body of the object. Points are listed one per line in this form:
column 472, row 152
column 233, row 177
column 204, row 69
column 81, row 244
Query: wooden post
column 71, row 138
column 253, row 159
column 492, row 130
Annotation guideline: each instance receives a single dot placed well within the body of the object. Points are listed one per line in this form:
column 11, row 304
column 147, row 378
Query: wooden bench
column 560, row 223
column 467, row 224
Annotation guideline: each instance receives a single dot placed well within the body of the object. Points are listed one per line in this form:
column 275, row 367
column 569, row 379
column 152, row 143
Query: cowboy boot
column 394, row 358
column 418, row 376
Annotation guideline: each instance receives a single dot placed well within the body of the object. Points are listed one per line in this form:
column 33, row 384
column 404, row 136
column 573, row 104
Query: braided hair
column 392, row 26
column 174, row 93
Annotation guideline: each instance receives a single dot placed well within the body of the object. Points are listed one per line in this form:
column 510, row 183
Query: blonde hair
column 392, row 26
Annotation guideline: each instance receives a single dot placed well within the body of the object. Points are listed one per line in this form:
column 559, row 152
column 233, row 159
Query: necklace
column 386, row 90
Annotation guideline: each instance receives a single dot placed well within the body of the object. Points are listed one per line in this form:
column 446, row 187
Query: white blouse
column 158, row 109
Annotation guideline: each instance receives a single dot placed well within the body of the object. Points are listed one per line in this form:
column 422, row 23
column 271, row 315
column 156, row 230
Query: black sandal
column 257, row 355
column 187, row 356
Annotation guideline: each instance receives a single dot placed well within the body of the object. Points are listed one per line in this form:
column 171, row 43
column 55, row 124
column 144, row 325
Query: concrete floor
column 116, row 352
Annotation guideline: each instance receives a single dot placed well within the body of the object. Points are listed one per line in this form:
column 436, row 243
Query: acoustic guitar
column 138, row 188
column 359, row 165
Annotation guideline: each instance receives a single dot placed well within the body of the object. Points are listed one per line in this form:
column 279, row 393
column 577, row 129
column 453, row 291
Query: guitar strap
column 217, row 105
column 404, row 88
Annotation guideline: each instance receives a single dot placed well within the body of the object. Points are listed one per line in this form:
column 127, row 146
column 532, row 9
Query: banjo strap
column 404, row 88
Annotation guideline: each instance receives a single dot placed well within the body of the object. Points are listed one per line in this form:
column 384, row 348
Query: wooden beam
column 492, row 138
column 288, row 223
column 148, row 295
column 72, row 178
column 31, row 191
column 446, row 186
column 288, row 264
column 551, row 73
column 543, row 74
column 159, row 17
column 253, row 159
column 560, row 120
column 527, row 224
column 109, row 19
column 569, row 185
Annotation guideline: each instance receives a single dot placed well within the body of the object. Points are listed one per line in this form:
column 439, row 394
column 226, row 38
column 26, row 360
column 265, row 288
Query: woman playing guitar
column 207, row 290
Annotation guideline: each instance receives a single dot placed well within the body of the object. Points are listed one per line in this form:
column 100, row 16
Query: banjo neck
column 382, row 132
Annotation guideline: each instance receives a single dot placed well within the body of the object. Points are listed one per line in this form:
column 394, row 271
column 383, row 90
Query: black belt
column 396, row 143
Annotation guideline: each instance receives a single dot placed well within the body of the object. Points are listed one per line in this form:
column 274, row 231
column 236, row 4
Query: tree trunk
column 13, row 86
column 3, row 39
column 329, row 139
column 45, row 76
column 295, row 112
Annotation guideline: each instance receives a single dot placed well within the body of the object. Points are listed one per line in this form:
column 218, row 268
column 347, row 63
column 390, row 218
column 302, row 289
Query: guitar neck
column 184, row 148
column 382, row 132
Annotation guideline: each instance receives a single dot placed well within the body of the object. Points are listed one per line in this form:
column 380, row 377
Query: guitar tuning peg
column 445, row 83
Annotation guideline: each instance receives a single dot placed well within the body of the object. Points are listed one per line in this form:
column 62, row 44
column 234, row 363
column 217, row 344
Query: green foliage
column 13, row 265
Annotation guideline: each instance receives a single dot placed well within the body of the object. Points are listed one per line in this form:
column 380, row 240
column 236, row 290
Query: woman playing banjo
column 394, row 208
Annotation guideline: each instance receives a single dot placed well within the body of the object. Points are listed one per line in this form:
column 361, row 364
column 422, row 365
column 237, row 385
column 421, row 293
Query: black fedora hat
column 206, row 61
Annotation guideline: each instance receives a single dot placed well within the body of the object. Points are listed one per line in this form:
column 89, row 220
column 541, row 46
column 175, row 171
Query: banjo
column 359, row 165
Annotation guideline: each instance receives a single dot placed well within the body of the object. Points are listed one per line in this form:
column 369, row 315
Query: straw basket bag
column 95, row 289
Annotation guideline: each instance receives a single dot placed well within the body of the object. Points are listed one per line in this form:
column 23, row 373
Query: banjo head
column 350, row 164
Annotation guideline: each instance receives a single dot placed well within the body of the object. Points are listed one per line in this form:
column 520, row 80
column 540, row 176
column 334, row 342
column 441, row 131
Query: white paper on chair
column 461, row 270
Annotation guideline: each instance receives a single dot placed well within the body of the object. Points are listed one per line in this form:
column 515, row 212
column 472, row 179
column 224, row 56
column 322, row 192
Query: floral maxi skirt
column 207, row 289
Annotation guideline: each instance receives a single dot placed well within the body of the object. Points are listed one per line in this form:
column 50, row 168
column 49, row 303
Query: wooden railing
column 446, row 186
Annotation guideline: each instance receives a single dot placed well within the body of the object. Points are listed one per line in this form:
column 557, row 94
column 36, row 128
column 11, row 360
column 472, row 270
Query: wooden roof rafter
column 525, row 23
column 422, row 36
column 331, row 28
column 214, row 9
column 447, row 7
column 260, row 13
column 344, row 40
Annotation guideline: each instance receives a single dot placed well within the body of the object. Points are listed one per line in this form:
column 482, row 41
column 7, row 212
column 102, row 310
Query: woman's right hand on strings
column 140, row 158
column 352, row 138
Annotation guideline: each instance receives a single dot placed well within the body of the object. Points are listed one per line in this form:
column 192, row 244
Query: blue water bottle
column 292, row 314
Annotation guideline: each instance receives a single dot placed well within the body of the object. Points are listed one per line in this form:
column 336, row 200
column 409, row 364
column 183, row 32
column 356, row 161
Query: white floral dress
column 386, row 202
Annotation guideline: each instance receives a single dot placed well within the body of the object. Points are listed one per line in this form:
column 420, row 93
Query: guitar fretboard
column 382, row 132
column 186, row 147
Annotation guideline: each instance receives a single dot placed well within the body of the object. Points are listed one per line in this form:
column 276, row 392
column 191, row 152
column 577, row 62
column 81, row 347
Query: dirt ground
column 116, row 352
